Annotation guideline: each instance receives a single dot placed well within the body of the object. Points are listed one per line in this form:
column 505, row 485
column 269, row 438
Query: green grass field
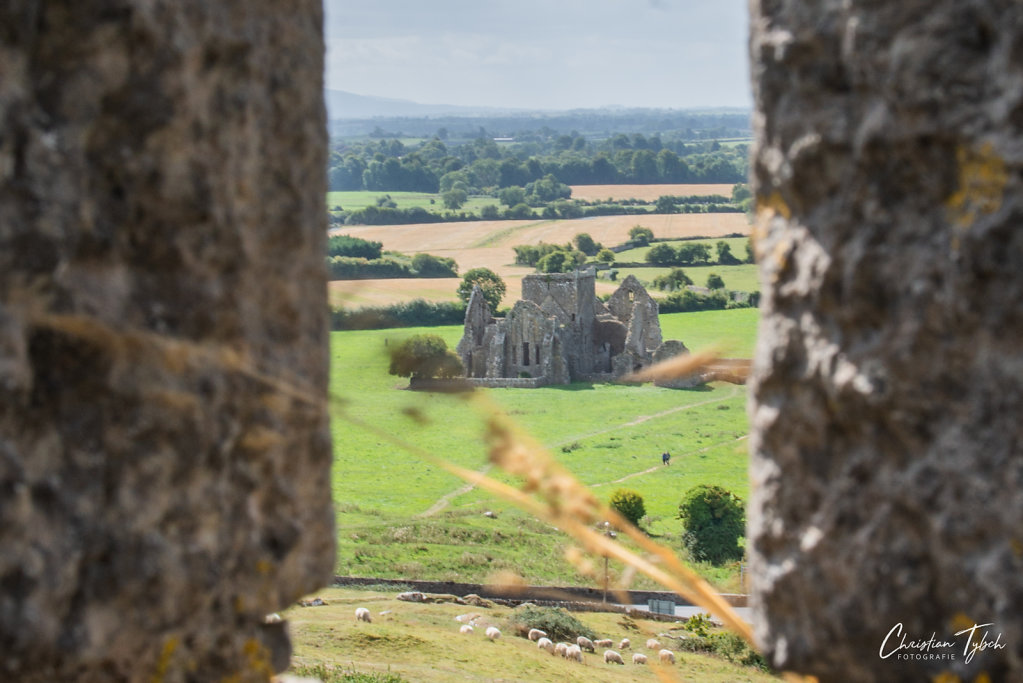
column 421, row 642
column 401, row 517
column 353, row 201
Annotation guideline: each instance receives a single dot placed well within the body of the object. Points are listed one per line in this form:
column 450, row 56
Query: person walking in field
column 666, row 458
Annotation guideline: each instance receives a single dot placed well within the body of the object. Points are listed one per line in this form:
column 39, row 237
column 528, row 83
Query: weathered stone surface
column 164, row 452
column 888, row 380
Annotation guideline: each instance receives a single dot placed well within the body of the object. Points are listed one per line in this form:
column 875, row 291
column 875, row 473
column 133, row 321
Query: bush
column 344, row 245
column 606, row 256
column 672, row 281
column 428, row 265
column 424, row 356
column 688, row 300
column 640, row 235
column 415, row 313
column 628, row 504
column 586, row 244
column 558, row 624
column 714, row 281
column 662, row 255
column 713, row 521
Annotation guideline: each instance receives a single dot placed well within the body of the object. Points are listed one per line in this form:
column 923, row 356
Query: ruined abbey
column 560, row 332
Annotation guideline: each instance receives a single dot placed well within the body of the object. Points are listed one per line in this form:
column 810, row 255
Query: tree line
column 482, row 166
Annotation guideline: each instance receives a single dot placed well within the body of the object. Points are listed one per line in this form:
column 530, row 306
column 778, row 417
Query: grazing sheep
column 638, row 658
column 653, row 644
column 584, row 643
column 666, row 656
column 560, row 648
column 466, row 629
column 545, row 644
column 493, row 633
column 574, row 652
column 604, row 642
column 612, row 657
column 625, row 644
column 536, row 634
column 362, row 614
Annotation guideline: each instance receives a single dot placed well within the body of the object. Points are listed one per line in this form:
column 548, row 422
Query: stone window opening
column 525, row 353
column 536, row 354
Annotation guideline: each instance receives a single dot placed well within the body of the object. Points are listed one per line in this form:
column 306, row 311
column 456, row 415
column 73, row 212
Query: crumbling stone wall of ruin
column 164, row 451
column 888, row 382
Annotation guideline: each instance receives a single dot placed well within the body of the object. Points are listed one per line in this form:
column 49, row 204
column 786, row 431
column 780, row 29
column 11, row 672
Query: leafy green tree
column 749, row 250
column 424, row 356
column 640, row 235
column 454, row 198
column 665, row 204
column 489, row 212
column 628, row 504
column 555, row 262
column 662, row 254
column 673, row 281
column 693, row 253
column 546, row 189
column 714, row 281
column 725, row 256
column 606, row 256
column 586, row 244
column 713, row 521
column 519, row 211
column 385, row 202
column 489, row 282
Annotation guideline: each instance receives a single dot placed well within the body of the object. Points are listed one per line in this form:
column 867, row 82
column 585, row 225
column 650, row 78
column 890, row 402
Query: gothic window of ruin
column 525, row 353
column 632, row 296
column 537, row 354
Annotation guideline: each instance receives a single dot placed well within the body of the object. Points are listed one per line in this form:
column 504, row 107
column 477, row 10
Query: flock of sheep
column 567, row 650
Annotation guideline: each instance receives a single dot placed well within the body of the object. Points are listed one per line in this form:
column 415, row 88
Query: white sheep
column 612, row 657
column 584, row 643
column 536, row 634
column 362, row 614
column 604, row 642
column 574, row 652
column 466, row 629
column 638, row 658
column 559, row 649
column 545, row 644
column 625, row 644
column 653, row 644
column 493, row 633
column 666, row 656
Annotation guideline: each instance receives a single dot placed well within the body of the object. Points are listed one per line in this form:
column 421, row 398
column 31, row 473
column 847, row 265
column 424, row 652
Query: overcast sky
column 547, row 54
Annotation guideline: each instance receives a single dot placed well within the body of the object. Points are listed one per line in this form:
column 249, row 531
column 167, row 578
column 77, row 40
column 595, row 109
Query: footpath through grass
column 401, row 517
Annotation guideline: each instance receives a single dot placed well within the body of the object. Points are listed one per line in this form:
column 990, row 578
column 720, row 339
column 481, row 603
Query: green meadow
column 400, row 516
column 360, row 199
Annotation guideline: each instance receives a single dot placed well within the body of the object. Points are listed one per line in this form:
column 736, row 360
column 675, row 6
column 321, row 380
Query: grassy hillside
column 400, row 517
column 421, row 642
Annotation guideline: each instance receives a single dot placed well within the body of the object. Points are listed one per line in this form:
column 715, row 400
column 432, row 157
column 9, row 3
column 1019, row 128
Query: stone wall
column 888, row 382
column 164, row 452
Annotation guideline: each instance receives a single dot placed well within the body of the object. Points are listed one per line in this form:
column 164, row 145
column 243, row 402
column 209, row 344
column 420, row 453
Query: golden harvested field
column 648, row 193
column 489, row 244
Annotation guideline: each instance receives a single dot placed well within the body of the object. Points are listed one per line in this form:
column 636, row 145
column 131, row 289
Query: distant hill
column 342, row 105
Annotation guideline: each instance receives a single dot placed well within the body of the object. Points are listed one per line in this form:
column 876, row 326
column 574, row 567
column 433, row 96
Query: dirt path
column 446, row 499
column 658, row 467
